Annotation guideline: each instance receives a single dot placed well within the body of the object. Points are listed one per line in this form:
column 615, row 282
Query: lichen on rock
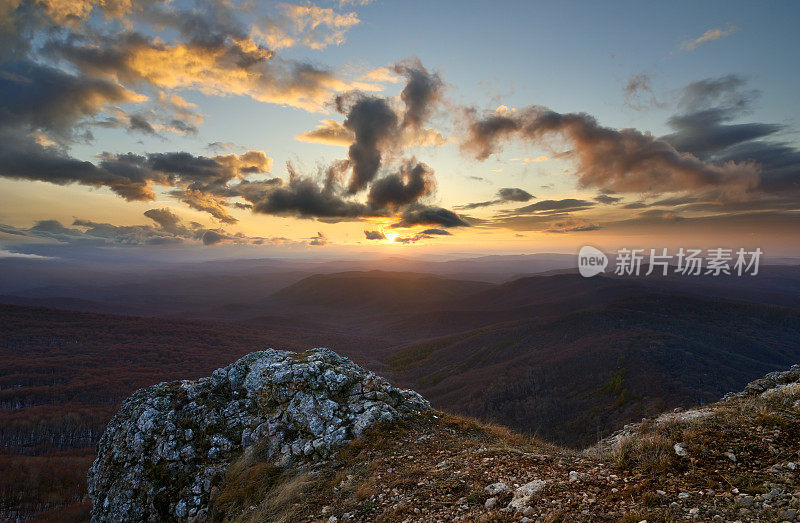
column 169, row 445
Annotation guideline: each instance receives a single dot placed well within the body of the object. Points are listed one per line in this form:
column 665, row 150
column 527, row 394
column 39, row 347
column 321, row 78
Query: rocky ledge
column 165, row 451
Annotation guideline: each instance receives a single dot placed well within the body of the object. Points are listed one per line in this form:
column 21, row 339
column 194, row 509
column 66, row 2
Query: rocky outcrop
column 769, row 384
column 169, row 445
column 770, row 381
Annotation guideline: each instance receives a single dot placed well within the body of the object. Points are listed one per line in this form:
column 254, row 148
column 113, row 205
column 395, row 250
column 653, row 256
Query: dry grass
column 651, row 453
column 252, row 479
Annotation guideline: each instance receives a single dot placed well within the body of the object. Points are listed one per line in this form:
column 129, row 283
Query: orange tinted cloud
column 328, row 132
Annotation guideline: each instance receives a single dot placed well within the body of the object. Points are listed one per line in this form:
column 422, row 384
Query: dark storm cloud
column 706, row 105
column 378, row 131
column 413, row 181
column 703, row 132
column 41, row 110
column 304, row 197
column 702, row 128
column 38, row 97
column 165, row 48
column 423, row 90
column 374, row 125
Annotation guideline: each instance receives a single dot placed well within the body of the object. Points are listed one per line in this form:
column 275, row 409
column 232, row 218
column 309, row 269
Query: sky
column 225, row 128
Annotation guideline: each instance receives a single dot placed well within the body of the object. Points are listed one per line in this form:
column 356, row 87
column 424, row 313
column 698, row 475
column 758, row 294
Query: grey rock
column 169, row 445
column 525, row 494
column 496, row 488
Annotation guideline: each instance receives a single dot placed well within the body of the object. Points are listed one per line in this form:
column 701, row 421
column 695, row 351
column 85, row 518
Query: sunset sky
column 248, row 128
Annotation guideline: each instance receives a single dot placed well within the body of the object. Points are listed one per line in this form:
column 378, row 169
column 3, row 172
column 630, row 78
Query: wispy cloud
column 708, row 36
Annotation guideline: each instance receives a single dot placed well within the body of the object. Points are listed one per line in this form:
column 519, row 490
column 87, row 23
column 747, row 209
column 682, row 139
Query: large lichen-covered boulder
column 169, row 445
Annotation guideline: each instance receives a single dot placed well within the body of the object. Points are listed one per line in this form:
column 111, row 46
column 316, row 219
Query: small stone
column 490, row 503
column 573, row 476
column 675, row 508
column 681, row 449
column 496, row 488
column 731, row 456
column 683, row 495
column 524, row 494
column 527, row 511
column 180, row 509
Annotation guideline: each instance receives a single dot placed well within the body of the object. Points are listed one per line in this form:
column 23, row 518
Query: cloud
column 437, row 232
column 213, row 238
column 707, row 105
column 221, row 146
column 374, row 235
column 705, row 127
column 318, row 240
column 708, row 36
column 427, row 234
column 413, row 181
column 514, row 194
column 378, row 129
column 550, row 207
column 638, row 93
column 374, row 125
column 328, row 132
column 38, row 97
column 606, row 199
column 528, row 160
column 506, row 194
column 44, row 110
column 421, row 94
column 572, row 225
column 168, row 229
column 308, row 25
column 303, row 197
column 428, row 215
column 623, row 160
